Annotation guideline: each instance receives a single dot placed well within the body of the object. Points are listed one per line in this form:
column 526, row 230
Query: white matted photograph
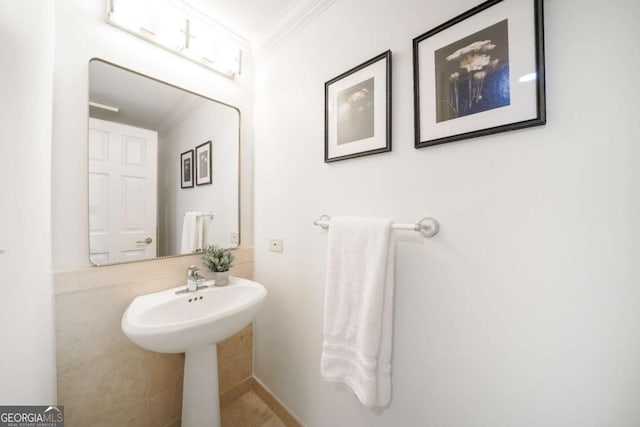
column 480, row 73
column 186, row 169
column 358, row 111
column 203, row 164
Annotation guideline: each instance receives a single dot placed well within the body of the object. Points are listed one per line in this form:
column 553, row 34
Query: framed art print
column 358, row 111
column 203, row 164
column 480, row 73
column 186, row 169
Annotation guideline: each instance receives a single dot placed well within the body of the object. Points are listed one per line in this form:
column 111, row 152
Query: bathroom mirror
column 163, row 168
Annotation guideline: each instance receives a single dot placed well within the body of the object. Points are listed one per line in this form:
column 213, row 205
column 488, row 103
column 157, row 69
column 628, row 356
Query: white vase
column 221, row 278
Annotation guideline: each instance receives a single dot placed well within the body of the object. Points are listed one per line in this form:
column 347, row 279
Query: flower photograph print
column 480, row 73
column 358, row 111
column 472, row 74
column 355, row 112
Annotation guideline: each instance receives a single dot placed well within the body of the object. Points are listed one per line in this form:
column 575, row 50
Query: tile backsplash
column 103, row 378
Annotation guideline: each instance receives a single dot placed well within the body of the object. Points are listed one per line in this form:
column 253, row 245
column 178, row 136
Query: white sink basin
column 193, row 323
column 167, row 322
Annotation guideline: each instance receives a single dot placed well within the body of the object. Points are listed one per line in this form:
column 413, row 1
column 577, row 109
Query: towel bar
column 427, row 226
column 210, row 215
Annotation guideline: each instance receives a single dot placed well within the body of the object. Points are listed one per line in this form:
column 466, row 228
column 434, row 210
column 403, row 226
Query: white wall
column 82, row 34
column 201, row 121
column 525, row 309
column 27, row 358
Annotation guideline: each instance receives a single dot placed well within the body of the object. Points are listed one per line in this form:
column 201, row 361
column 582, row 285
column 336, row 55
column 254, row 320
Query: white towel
column 358, row 308
column 191, row 233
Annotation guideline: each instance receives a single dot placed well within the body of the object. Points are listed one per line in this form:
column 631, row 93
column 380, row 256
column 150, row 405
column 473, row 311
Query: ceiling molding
column 297, row 15
column 183, row 109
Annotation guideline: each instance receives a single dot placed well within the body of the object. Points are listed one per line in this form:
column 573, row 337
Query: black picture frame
column 203, row 164
column 355, row 125
column 186, row 169
column 485, row 94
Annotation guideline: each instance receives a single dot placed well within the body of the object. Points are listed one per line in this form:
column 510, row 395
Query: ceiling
column 250, row 19
column 143, row 102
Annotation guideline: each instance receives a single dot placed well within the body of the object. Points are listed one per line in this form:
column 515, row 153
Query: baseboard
column 236, row 391
column 275, row 405
column 252, row 384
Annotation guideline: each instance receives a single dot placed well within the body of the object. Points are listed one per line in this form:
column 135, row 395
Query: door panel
column 134, row 150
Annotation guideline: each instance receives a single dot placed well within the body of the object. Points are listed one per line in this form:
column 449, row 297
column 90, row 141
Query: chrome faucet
column 193, row 278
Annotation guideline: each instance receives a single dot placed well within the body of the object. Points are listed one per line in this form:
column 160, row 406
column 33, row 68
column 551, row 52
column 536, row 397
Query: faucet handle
column 192, row 270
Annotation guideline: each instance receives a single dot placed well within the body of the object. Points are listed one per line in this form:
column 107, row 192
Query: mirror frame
column 87, row 159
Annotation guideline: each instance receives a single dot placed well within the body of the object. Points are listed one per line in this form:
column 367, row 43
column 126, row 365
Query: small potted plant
column 218, row 260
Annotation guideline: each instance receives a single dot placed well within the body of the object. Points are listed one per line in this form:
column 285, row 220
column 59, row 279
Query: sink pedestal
column 200, row 397
column 171, row 321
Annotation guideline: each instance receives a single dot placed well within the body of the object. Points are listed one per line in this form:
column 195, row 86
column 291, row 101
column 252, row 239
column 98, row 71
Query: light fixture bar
column 104, row 107
column 180, row 28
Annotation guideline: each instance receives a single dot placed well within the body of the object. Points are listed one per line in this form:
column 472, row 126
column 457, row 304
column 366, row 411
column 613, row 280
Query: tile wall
column 103, row 378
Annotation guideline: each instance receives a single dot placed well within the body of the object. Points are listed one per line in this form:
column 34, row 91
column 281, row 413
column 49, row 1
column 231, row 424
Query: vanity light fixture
column 179, row 28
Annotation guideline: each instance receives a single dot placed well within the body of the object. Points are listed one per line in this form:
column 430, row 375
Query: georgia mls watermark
column 31, row 416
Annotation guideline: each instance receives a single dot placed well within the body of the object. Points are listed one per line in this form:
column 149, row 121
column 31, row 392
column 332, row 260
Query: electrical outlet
column 234, row 238
column 275, row 245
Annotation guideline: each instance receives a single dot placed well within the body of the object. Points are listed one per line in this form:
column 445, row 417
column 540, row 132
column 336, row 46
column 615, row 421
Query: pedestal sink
column 192, row 323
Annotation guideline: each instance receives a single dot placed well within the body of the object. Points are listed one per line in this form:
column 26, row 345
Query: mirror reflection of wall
column 139, row 131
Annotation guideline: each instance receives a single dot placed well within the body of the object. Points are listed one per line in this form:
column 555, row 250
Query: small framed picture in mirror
column 186, row 169
column 203, row 164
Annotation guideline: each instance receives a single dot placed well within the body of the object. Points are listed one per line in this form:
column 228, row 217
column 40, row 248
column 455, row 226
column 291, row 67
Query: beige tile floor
column 248, row 411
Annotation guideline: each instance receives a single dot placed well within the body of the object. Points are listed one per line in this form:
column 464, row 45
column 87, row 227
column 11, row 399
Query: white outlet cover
column 275, row 245
column 234, row 237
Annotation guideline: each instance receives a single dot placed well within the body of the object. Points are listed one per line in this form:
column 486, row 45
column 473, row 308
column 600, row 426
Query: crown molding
column 184, row 108
column 297, row 15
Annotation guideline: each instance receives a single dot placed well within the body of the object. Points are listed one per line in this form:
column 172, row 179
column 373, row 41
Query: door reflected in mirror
column 163, row 168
